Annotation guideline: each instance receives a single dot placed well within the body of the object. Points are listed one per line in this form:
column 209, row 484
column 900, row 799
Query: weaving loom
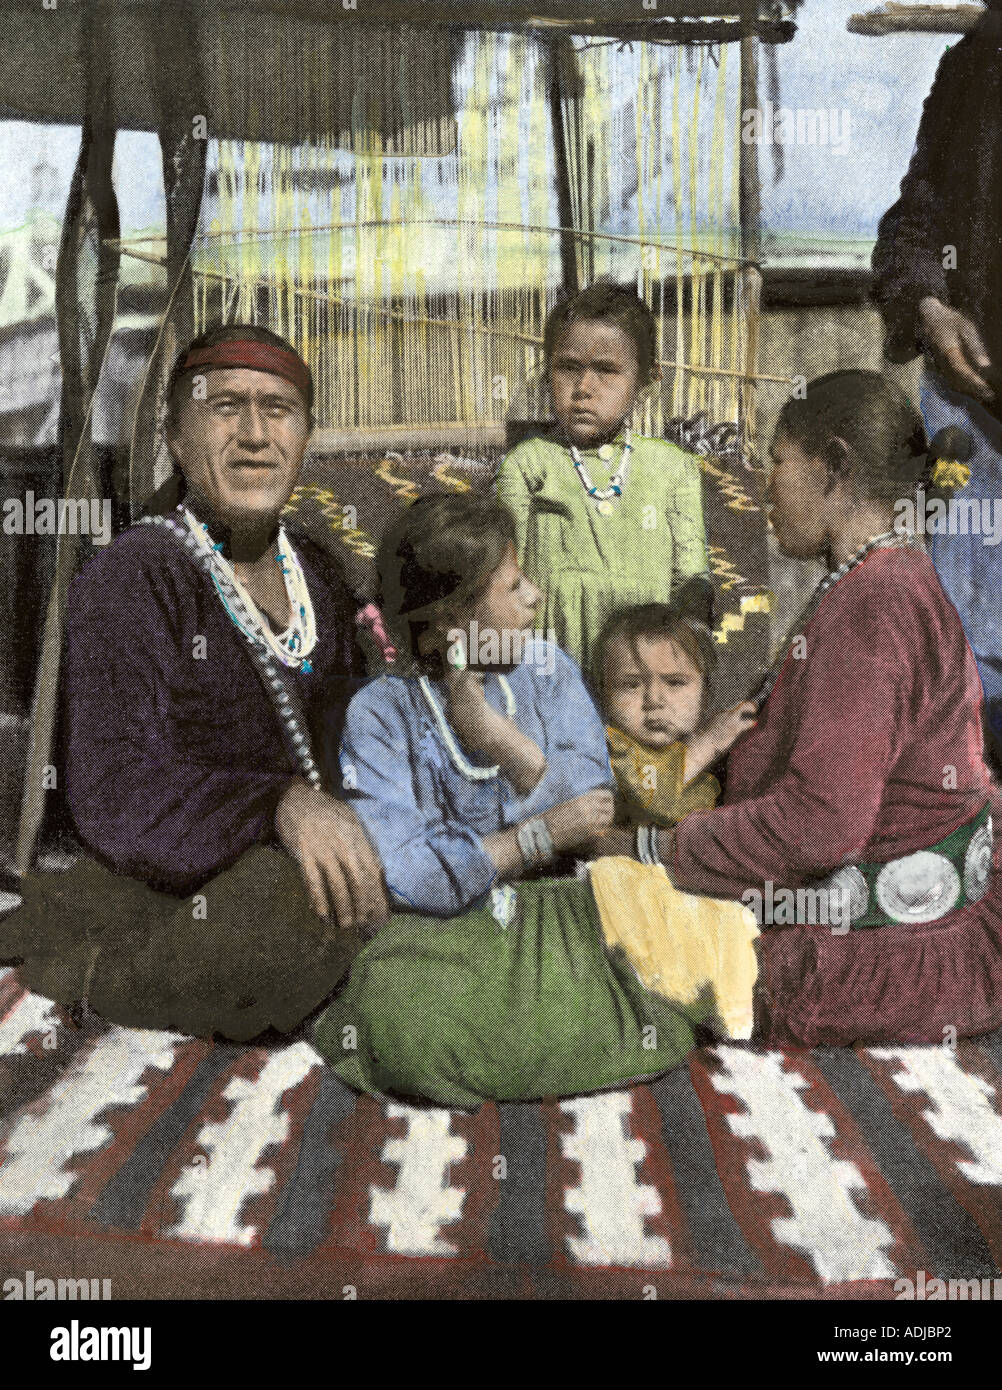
column 417, row 286
column 415, row 271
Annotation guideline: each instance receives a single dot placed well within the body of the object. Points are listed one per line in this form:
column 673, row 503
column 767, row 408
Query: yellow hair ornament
column 949, row 473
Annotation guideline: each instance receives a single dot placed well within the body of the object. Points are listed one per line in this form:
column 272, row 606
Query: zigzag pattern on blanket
column 344, row 504
column 743, row 1172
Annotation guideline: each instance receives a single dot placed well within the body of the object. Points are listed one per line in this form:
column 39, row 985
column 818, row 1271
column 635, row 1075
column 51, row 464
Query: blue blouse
column 426, row 819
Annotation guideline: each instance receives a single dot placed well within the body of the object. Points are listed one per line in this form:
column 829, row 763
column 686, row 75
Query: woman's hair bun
column 951, row 442
column 695, row 600
column 866, row 429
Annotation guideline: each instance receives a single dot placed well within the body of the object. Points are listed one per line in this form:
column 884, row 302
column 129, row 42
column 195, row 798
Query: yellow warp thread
column 413, row 259
column 680, row 945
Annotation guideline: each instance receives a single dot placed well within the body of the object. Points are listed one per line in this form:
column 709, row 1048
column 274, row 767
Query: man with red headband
column 210, row 661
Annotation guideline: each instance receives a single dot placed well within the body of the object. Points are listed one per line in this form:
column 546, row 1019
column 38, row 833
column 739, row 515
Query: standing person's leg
column 970, row 567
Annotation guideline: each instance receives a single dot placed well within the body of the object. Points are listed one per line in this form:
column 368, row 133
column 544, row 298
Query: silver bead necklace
column 271, row 673
column 887, row 540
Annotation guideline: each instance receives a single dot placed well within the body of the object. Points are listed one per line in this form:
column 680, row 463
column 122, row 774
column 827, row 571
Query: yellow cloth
column 682, row 947
column 651, row 781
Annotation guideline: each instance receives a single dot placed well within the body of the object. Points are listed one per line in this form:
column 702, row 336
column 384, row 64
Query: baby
column 651, row 669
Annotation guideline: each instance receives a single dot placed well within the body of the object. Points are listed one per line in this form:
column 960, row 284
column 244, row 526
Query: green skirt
column 466, row 1010
column 244, row 954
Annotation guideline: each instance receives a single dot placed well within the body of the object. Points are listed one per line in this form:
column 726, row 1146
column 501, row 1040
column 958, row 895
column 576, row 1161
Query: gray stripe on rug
column 517, row 1233
column 303, row 1217
column 952, row 1240
column 125, row 1198
column 719, row 1245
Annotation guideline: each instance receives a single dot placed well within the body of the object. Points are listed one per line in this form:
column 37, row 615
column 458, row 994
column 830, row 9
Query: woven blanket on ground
column 181, row 1169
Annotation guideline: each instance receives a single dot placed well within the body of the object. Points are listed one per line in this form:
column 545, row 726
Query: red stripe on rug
column 11, row 993
column 562, row 1174
column 363, row 1136
column 178, row 1270
column 479, row 1175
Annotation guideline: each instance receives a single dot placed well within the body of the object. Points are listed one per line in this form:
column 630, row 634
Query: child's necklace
column 602, row 497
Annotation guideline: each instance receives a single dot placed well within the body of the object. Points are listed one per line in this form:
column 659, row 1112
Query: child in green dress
column 604, row 518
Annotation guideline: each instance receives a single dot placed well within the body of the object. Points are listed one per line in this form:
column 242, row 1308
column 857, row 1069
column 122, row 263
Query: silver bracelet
column 647, row 844
column 534, row 842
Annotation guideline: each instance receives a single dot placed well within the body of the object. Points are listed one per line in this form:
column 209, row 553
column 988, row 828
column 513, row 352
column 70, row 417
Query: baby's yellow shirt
column 651, row 781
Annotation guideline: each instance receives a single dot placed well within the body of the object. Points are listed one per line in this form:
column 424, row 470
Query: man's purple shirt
column 177, row 762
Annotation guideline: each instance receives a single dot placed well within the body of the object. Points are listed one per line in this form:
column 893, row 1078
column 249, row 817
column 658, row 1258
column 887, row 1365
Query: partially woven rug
column 345, row 502
column 179, row 1169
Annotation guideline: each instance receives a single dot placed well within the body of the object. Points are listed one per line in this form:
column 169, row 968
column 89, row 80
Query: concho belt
column 919, row 887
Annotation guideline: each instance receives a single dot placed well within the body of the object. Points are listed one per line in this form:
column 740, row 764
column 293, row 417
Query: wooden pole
column 895, row 18
column 184, row 130
column 562, row 72
column 184, row 137
column 86, row 287
column 750, row 213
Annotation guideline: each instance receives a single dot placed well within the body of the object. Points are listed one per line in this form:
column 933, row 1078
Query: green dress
column 587, row 563
column 475, row 1008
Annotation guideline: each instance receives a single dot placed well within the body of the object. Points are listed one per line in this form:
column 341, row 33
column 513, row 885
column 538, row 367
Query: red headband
column 257, row 357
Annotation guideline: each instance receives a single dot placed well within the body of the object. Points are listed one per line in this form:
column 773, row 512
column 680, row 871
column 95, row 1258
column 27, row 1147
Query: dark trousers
column 243, row 954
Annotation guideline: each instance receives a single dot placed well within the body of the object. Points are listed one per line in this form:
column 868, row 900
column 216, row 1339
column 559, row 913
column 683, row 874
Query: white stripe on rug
column 214, row 1188
column 609, row 1201
column 825, row 1224
column 423, row 1199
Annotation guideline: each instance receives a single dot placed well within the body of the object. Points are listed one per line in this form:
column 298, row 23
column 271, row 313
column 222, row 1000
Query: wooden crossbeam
column 896, row 18
column 46, row 44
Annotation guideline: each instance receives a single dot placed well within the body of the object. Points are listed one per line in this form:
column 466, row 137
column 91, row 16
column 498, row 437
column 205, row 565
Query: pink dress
column 869, row 748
